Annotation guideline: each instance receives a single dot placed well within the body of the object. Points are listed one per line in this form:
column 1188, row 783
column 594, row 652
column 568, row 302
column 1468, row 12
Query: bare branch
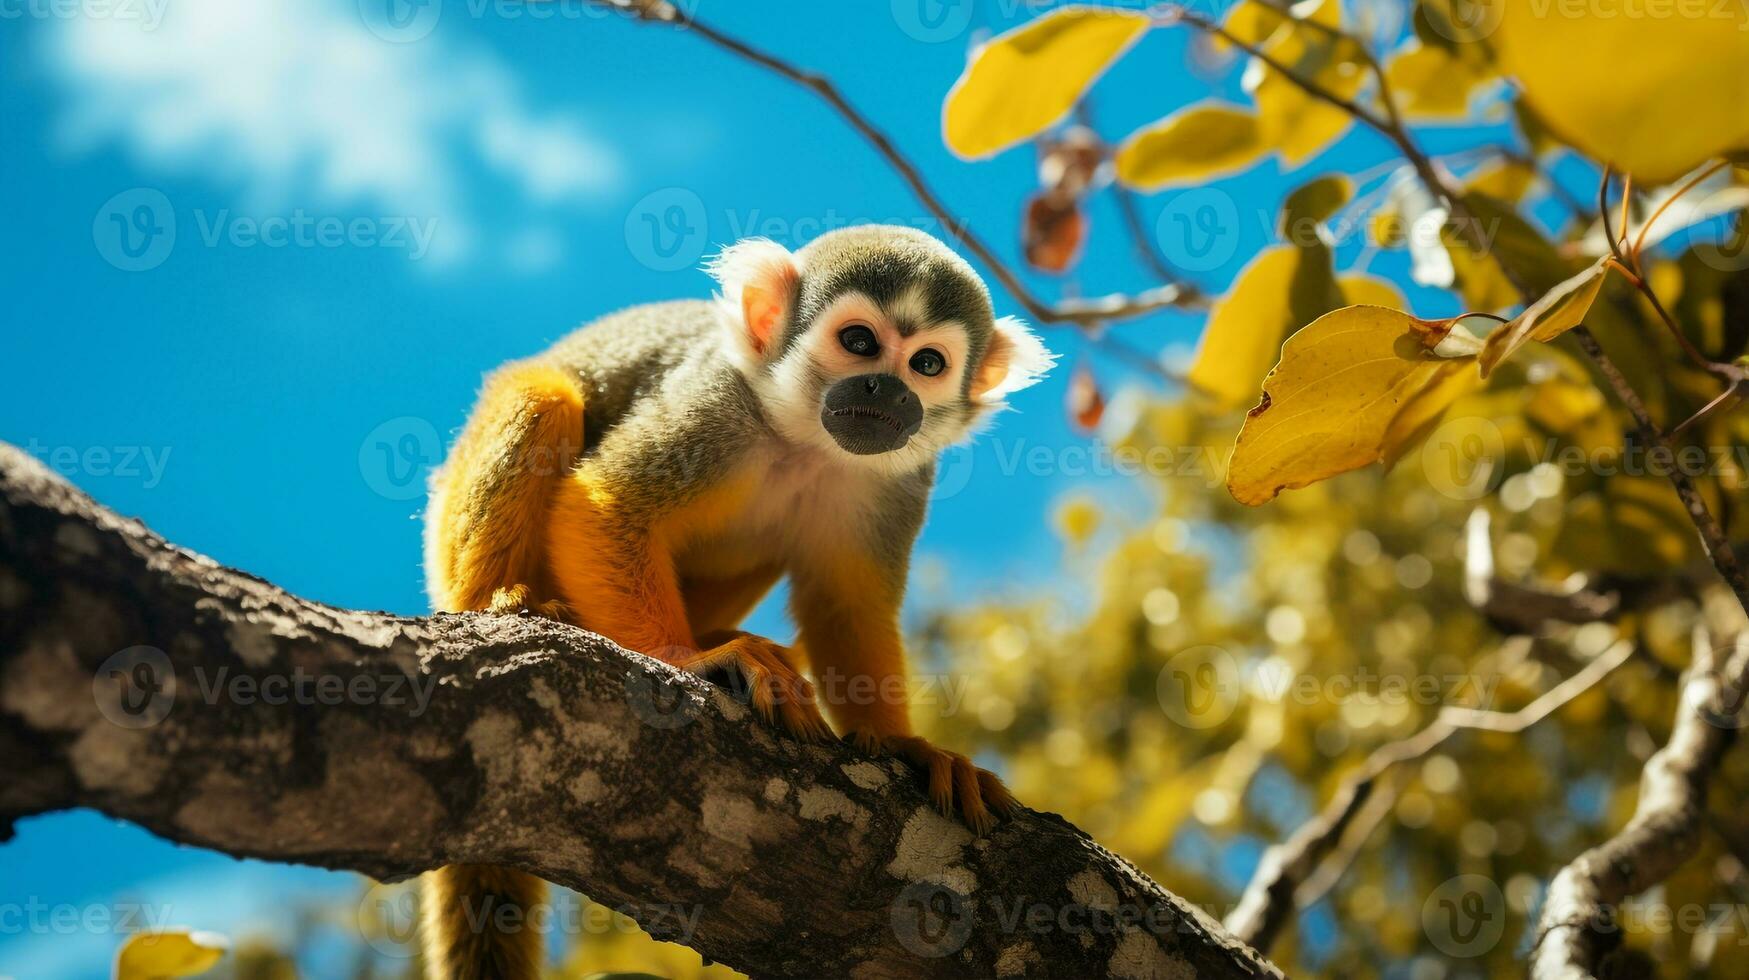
column 1269, row 901
column 1525, row 609
column 1576, row 929
column 240, row 718
column 1073, row 313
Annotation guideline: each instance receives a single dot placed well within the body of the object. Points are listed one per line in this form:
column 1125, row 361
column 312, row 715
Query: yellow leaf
column 1077, row 519
column 1421, row 415
column 1281, row 290
column 168, row 953
column 1354, row 387
column 1298, row 125
column 1022, row 81
column 1558, row 311
column 1480, row 278
column 1431, row 83
column 1652, row 95
column 1361, row 290
column 1194, row 143
column 1505, row 180
column 1311, row 204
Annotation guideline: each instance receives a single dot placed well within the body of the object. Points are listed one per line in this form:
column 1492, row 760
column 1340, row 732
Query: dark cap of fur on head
column 884, row 263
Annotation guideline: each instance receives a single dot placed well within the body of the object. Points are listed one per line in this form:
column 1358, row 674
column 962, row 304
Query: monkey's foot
column 514, row 601
column 954, row 782
column 760, row 671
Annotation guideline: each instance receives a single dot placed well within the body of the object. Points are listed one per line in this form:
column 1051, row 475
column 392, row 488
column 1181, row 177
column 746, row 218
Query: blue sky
column 369, row 211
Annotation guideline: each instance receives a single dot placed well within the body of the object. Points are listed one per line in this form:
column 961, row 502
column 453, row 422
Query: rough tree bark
column 1578, row 928
column 214, row 709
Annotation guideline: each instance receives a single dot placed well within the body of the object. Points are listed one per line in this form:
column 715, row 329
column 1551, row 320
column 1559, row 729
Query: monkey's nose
column 872, row 384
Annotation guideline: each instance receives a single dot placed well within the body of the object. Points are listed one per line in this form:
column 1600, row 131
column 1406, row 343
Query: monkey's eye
column 859, row 340
column 928, row 362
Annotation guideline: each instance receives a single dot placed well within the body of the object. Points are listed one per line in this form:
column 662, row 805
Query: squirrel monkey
column 651, row 476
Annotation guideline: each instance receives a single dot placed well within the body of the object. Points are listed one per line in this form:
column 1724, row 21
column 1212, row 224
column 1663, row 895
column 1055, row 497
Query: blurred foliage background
column 1205, row 674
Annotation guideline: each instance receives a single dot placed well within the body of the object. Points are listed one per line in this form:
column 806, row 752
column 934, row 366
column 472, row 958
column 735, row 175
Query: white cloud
column 298, row 102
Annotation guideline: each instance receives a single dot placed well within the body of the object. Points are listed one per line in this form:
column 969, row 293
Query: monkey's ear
column 1015, row 359
column 758, row 279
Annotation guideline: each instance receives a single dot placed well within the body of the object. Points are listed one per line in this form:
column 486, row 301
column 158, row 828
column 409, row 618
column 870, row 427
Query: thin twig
column 1040, row 311
column 1629, row 265
column 1269, row 900
column 1688, row 185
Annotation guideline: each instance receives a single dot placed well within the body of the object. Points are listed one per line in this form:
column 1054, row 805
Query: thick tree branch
column 214, row 709
column 1576, row 929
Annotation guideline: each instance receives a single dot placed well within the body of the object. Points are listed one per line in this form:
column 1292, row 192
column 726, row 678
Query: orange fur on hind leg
column 492, row 496
column 613, row 574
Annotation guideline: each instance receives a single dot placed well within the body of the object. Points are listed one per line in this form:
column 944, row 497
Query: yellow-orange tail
column 477, row 923
column 483, row 551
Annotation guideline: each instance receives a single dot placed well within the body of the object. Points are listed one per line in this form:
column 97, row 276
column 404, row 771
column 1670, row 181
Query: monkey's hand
column 954, row 782
column 760, row 670
column 515, row 600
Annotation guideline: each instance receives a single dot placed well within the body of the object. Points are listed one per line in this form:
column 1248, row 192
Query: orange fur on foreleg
column 848, row 612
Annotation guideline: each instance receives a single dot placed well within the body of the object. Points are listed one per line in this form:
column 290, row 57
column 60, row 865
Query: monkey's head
column 876, row 343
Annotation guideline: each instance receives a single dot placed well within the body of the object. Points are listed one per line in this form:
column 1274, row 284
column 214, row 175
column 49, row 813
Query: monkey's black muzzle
column 871, row 413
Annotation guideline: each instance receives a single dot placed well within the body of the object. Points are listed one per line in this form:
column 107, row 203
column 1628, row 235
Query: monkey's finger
column 759, row 687
column 940, row 768
column 971, row 800
column 803, row 721
column 995, row 794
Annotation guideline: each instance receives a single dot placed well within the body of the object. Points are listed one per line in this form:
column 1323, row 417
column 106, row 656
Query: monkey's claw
column 954, row 782
column 760, row 670
column 513, row 600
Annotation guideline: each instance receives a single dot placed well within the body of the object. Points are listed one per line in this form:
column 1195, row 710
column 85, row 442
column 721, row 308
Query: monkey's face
column 876, row 345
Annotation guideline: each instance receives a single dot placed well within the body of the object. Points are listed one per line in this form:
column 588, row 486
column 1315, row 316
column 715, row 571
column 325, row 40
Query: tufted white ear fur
column 1016, row 359
column 758, row 278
